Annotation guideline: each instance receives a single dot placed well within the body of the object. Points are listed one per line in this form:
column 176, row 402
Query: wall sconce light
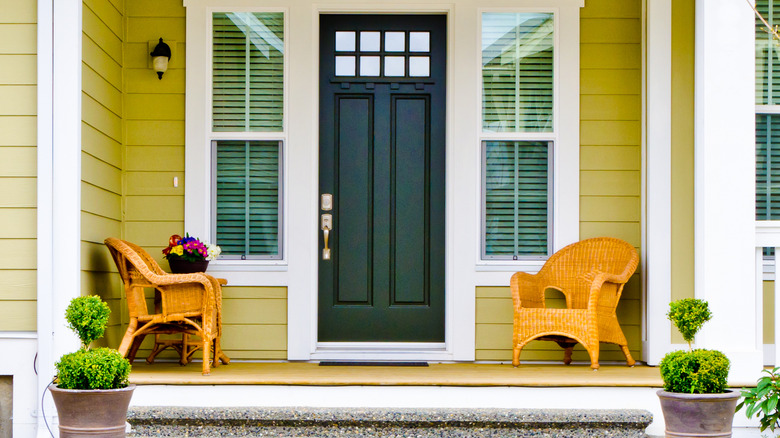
column 160, row 57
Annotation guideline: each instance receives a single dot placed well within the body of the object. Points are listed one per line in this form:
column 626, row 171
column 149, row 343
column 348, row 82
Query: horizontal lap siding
column 101, row 153
column 18, row 139
column 610, row 173
column 255, row 318
column 254, row 325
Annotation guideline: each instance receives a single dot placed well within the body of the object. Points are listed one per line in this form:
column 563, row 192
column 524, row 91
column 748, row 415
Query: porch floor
column 437, row 374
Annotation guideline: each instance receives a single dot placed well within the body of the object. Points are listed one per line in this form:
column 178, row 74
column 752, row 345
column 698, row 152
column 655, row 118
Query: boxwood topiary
column 87, row 316
column 695, row 372
column 98, row 368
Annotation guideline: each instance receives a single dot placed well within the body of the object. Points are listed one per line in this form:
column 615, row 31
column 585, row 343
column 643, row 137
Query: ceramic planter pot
column 179, row 266
column 700, row 415
column 92, row 412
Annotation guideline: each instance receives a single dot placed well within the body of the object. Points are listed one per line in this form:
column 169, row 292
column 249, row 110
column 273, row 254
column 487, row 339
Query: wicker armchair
column 591, row 275
column 190, row 304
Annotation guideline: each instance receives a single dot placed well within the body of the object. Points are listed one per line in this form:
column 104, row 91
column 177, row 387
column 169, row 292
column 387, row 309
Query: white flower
column 214, row 251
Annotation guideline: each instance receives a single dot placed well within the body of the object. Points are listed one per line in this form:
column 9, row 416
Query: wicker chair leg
column 594, row 356
column 567, row 354
column 134, row 347
column 629, row 360
column 206, row 355
column 184, row 353
column 516, row 356
column 127, row 340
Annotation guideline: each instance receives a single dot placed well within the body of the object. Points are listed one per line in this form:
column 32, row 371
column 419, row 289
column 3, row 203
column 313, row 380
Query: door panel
column 382, row 156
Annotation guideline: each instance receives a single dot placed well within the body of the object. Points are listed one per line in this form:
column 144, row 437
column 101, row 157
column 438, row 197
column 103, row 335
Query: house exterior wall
column 18, row 99
column 610, row 172
column 255, row 317
column 101, row 156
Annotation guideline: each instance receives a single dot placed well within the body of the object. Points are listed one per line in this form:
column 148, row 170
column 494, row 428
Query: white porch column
column 725, row 182
column 59, row 182
column 658, row 169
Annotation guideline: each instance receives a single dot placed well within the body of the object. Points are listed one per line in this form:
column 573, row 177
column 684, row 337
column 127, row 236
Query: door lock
column 326, row 224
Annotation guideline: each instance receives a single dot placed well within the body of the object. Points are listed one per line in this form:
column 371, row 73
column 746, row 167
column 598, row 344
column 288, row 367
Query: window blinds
column 248, row 69
column 517, row 72
column 517, row 209
column 247, row 177
column 767, row 167
column 767, row 55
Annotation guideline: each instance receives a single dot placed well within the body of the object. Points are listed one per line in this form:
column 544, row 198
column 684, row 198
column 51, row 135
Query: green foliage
column 695, row 372
column 688, row 315
column 99, row 368
column 87, row 316
column 762, row 400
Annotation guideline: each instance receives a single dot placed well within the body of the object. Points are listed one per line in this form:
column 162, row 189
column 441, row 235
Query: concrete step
column 384, row 422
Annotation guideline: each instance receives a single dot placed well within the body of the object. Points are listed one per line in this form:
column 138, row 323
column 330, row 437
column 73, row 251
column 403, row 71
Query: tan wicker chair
column 190, row 304
column 591, row 275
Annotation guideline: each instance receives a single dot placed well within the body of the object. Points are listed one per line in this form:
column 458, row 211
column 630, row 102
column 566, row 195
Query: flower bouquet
column 189, row 254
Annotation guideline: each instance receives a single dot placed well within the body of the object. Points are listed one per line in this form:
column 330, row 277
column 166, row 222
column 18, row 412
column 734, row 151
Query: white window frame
column 198, row 216
column 565, row 189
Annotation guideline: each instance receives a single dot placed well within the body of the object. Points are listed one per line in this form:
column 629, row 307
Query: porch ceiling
column 457, row 374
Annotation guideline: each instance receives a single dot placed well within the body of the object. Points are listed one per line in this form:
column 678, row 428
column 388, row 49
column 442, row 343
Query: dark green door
column 382, row 158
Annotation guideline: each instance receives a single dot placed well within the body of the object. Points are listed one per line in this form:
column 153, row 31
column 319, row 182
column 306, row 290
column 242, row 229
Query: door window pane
column 419, row 66
column 516, row 190
column 369, row 66
column 369, row 41
column 394, row 41
column 247, row 198
column 345, row 66
column 395, row 66
column 517, row 72
column 345, row 41
column 419, row 41
column 248, row 71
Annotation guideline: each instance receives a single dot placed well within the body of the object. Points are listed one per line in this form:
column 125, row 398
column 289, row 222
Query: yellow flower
column 178, row 250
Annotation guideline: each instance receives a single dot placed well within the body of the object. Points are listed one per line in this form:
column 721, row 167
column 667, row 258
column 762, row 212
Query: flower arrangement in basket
column 189, row 254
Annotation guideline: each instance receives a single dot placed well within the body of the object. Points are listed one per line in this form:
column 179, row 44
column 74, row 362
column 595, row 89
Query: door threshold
column 382, row 351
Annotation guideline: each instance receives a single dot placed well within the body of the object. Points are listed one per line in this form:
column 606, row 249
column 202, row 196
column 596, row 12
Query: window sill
column 249, row 265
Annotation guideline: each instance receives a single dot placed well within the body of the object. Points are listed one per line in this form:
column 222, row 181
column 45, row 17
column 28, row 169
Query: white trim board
column 657, row 163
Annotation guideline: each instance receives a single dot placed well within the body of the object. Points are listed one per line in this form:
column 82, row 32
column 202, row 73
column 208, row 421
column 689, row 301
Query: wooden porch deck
column 437, row 374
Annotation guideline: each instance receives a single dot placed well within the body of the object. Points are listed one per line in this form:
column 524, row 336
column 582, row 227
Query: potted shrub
column 695, row 401
column 91, row 391
column 762, row 401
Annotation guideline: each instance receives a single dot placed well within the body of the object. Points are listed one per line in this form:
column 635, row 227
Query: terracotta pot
column 180, row 266
column 701, row 415
column 92, row 412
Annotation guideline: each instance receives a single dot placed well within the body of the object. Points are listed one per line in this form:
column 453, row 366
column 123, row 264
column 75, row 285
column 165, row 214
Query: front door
column 382, row 161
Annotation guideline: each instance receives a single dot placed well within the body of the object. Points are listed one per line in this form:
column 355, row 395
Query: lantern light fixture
column 160, row 57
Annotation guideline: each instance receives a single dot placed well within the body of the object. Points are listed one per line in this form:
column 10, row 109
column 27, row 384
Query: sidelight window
column 247, row 135
column 518, row 134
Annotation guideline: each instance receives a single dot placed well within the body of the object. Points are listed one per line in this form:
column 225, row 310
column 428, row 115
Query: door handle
column 326, row 224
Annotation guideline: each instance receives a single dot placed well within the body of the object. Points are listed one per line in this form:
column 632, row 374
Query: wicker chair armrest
column 599, row 278
column 527, row 290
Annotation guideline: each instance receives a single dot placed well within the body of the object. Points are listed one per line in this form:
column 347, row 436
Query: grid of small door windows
column 383, row 54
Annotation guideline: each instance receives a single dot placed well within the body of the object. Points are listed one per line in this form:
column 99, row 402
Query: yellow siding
column 682, row 152
column 682, row 148
column 18, row 98
column 610, row 171
column 101, row 152
column 255, row 324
